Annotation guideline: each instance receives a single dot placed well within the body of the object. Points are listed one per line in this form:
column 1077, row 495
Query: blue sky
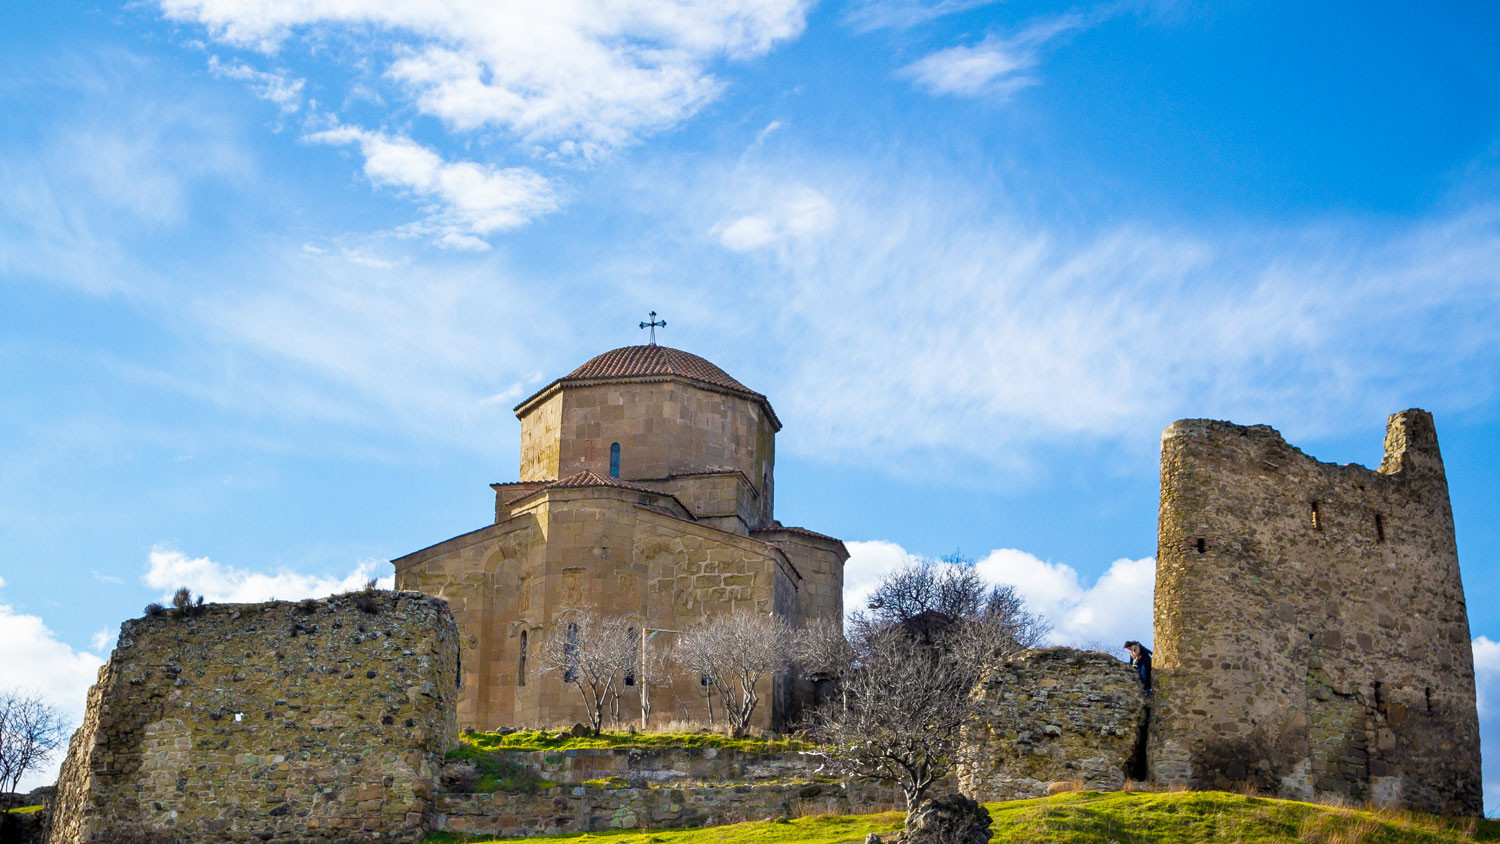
column 272, row 275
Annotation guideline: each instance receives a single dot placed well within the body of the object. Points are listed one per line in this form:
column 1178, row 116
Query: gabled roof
column 652, row 362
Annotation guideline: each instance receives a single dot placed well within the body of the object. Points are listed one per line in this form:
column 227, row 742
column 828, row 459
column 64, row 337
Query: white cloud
column 284, row 91
column 585, row 76
column 169, row 570
column 1487, row 674
column 469, row 199
column 37, row 661
column 1487, row 684
column 1116, row 607
column 997, row 66
column 103, row 641
column 799, row 212
column 867, row 563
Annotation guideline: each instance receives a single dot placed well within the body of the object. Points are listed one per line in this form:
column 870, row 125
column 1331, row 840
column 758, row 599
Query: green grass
column 24, row 810
column 1093, row 818
column 542, row 740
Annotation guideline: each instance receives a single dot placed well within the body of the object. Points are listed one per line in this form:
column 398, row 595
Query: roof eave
column 546, row 392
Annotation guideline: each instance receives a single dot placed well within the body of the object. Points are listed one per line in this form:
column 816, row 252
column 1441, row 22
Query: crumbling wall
column 313, row 721
column 1311, row 634
column 1052, row 715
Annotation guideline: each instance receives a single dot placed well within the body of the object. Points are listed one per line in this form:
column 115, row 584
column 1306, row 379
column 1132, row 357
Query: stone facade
column 645, row 492
column 1311, row 634
column 1053, row 715
column 312, row 721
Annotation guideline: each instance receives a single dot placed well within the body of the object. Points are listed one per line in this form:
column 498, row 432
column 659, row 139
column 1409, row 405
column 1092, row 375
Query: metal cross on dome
column 653, row 325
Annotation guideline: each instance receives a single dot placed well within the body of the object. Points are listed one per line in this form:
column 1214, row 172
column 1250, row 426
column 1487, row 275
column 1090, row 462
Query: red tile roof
column 639, row 361
column 654, row 361
column 586, row 478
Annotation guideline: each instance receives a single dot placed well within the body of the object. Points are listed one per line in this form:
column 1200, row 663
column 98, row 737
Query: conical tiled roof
column 633, row 362
column 639, row 361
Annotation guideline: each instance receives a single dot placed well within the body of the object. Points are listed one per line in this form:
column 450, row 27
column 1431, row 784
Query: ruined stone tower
column 1311, row 634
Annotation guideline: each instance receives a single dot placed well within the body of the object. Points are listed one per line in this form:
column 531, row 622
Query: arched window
column 521, row 668
column 571, row 650
column 614, row 460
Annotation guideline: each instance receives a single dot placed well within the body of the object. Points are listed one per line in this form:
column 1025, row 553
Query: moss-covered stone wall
column 1052, row 715
column 313, row 721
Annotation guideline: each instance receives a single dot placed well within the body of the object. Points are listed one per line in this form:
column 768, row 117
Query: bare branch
column 593, row 653
column 734, row 653
column 30, row 732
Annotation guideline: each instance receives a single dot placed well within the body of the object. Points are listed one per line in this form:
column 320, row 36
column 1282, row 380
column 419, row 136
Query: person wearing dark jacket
column 1140, row 657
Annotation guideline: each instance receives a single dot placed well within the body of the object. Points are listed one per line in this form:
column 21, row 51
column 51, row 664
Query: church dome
column 648, row 363
column 645, row 361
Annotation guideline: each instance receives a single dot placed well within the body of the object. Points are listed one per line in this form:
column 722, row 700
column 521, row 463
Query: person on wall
column 1140, row 657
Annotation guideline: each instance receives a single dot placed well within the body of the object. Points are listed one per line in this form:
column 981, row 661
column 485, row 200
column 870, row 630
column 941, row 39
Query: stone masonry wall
column 1051, row 715
column 589, row 809
column 1311, row 633
column 313, row 721
column 624, row 788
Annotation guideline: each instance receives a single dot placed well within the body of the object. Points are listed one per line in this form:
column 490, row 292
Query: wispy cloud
column 794, row 212
column 945, row 327
column 282, row 90
column 995, row 67
column 870, row 15
column 469, row 200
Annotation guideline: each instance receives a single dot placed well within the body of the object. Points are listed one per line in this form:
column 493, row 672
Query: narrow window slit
column 1379, row 528
column 1317, row 521
column 521, row 667
column 1201, row 545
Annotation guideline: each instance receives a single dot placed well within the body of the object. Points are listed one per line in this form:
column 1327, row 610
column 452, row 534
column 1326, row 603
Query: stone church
column 646, row 491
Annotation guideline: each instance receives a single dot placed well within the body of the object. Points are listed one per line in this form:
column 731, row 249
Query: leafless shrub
column 901, row 717
column 155, row 609
column 183, row 603
column 592, row 652
column 30, row 732
column 734, row 652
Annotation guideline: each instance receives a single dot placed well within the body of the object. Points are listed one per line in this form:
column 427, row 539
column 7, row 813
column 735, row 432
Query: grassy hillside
column 1115, row 818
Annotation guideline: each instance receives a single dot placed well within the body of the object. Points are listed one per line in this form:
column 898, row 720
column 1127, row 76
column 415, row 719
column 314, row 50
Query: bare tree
column 821, row 651
column 947, row 604
column 30, row 732
column 901, row 718
column 734, row 652
column 928, row 633
column 653, row 672
column 592, row 652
